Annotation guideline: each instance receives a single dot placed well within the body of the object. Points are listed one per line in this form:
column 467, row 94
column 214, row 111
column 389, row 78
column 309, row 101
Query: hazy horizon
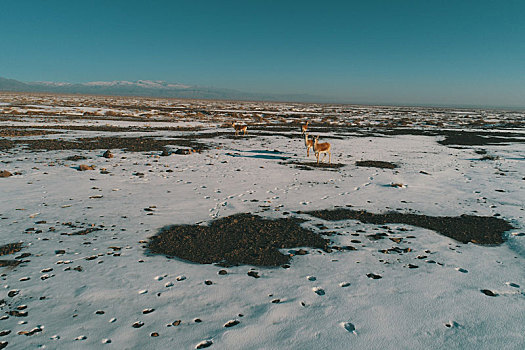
column 466, row 54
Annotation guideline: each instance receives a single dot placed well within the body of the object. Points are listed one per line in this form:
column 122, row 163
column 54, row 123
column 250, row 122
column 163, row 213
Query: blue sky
column 393, row 52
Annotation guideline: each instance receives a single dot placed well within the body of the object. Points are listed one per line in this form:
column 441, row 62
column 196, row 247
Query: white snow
column 326, row 300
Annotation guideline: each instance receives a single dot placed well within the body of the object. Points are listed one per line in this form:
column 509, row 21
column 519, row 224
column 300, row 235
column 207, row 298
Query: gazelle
column 309, row 143
column 322, row 148
column 304, row 127
column 243, row 128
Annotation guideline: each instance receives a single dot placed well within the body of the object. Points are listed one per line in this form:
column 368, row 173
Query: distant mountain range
column 149, row 89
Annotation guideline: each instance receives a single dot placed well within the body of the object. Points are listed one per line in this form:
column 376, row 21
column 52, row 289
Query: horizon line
column 332, row 101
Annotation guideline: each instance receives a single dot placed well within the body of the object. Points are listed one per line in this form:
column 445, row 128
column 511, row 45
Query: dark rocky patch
column 17, row 131
column 313, row 165
column 130, row 144
column 479, row 138
column 483, row 230
column 395, row 250
column 10, row 248
column 376, row 164
column 237, row 239
column 81, row 232
column 4, row 263
column 75, row 158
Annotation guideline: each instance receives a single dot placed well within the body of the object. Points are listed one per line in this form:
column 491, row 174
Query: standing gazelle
column 304, row 128
column 322, row 148
column 309, row 143
column 243, row 128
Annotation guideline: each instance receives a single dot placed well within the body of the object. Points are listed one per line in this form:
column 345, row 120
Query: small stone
column 176, row 323
column 231, row 323
column 253, row 274
column 154, row 334
column 348, row 326
column 204, row 344
column 5, row 173
column 222, row 272
column 137, row 324
column 489, row 293
column 208, row 282
column 108, row 154
column 84, row 167
column 301, row 252
column 13, row 292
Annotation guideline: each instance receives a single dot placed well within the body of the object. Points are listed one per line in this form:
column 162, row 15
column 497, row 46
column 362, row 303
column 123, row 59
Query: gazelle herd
column 317, row 147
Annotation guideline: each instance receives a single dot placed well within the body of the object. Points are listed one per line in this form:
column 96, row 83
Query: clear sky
column 401, row 52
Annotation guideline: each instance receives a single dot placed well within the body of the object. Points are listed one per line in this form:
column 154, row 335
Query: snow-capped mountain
column 150, row 88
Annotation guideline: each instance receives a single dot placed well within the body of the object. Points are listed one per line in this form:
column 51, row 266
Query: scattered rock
column 184, row 151
column 318, row 291
column 108, row 154
column 204, row 344
column 373, row 276
column 5, row 173
column 348, row 326
column 84, row 167
column 489, row 293
column 231, row 323
column 253, row 274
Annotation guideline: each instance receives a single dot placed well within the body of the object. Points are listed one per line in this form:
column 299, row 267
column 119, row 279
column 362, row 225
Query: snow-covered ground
column 87, row 291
